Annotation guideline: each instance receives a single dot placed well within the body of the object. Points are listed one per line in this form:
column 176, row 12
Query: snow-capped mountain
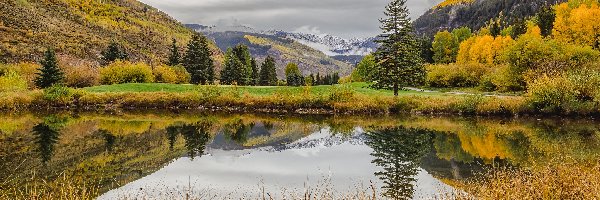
column 334, row 45
column 347, row 50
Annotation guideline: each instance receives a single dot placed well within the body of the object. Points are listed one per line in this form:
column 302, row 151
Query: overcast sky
column 346, row 18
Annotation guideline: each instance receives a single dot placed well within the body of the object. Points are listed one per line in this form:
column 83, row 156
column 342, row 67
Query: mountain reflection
column 399, row 152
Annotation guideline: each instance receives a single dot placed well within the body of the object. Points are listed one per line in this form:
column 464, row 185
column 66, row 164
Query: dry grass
column 559, row 181
column 37, row 189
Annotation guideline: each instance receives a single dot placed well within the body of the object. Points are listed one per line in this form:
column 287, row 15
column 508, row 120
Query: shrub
column 80, row 76
column 456, row 75
column 58, row 94
column 27, row 71
column 164, row 74
column 552, row 94
column 342, row 93
column 182, row 74
column 10, row 81
column 126, row 72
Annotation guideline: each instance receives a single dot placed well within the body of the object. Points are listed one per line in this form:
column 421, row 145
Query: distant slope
column 283, row 50
column 475, row 14
column 80, row 30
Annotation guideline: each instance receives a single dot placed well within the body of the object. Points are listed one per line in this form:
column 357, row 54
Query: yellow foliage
column 126, row 72
column 452, row 2
column 483, row 49
column 577, row 22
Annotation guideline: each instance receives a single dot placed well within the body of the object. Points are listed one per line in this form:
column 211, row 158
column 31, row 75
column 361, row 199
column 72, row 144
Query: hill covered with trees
column 451, row 14
column 80, row 30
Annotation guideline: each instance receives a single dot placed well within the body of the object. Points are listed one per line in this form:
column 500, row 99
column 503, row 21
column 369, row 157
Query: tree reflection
column 196, row 136
column 46, row 136
column 172, row 132
column 109, row 139
column 398, row 151
column 237, row 131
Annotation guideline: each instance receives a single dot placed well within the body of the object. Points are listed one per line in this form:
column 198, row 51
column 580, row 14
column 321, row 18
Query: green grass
column 360, row 88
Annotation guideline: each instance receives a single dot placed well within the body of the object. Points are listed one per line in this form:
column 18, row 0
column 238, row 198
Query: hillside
column 284, row 51
column 475, row 14
column 80, row 30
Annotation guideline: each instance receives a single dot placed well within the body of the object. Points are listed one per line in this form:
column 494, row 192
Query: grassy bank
column 348, row 99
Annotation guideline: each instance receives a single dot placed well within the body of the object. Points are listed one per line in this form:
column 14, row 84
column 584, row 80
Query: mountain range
column 313, row 53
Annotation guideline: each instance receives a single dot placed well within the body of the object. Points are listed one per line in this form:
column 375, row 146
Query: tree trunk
column 395, row 89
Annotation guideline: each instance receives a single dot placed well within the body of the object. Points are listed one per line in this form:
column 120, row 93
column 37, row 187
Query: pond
column 162, row 155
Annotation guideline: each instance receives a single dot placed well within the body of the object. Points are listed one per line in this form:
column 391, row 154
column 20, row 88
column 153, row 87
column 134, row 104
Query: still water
column 212, row 155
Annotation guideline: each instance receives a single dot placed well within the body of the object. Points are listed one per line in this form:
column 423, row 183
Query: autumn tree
column 445, row 47
column 293, row 75
column 398, row 57
column 364, row 70
column 174, row 57
column 268, row 75
column 462, row 34
column 49, row 74
column 113, row 52
column 197, row 60
column 577, row 23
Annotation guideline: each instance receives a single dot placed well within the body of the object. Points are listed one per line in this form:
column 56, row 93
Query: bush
column 182, row 74
column 80, row 76
column 58, row 94
column 456, row 75
column 126, row 72
column 164, row 74
column 10, row 81
column 341, row 93
column 27, row 71
column 552, row 94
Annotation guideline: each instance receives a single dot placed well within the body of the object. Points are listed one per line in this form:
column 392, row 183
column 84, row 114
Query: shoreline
column 307, row 104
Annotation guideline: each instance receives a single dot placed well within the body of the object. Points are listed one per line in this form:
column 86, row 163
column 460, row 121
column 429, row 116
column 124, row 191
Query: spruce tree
column 398, row 56
column 293, row 75
column 546, row 18
column 318, row 80
column 197, row 60
column 113, row 52
column 268, row 75
column 49, row 74
column 255, row 77
column 238, row 66
column 174, row 57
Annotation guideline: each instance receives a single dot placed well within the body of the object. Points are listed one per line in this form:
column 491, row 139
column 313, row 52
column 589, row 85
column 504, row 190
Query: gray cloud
column 346, row 18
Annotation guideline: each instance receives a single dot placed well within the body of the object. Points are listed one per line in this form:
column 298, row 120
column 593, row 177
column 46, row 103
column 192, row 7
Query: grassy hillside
column 80, row 30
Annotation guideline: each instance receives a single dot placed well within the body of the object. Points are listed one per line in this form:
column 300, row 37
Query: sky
column 345, row 18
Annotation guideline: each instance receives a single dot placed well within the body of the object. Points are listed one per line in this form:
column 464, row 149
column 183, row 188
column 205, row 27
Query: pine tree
column 113, row 52
column 49, row 74
column 546, row 18
column 495, row 28
column 238, row 66
column 255, row 76
column 197, row 60
column 519, row 28
column 174, row 57
column 268, row 75
column 399, row 58
column 318, row 80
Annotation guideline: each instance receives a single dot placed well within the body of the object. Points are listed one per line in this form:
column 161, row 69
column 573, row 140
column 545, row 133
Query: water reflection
column 407, row 155
column 398, row 151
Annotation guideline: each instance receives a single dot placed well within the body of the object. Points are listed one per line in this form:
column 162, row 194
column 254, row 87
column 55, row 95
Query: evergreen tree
column 268, row 75
column 335, row 79
column 197, row 60
column 49, row 74
column 399, row 58
column 238, row 66
column 518, row 28
column 495, row 28
column 426, row 52
column 318, row 80
column 293, row 75
column 114, row 52
column 546, row 18
column 196, row 136
column 174, row 57
column 255, row 76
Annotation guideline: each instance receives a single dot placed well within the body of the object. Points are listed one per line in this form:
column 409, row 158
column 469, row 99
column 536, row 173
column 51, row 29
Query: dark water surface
column 166, row 155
